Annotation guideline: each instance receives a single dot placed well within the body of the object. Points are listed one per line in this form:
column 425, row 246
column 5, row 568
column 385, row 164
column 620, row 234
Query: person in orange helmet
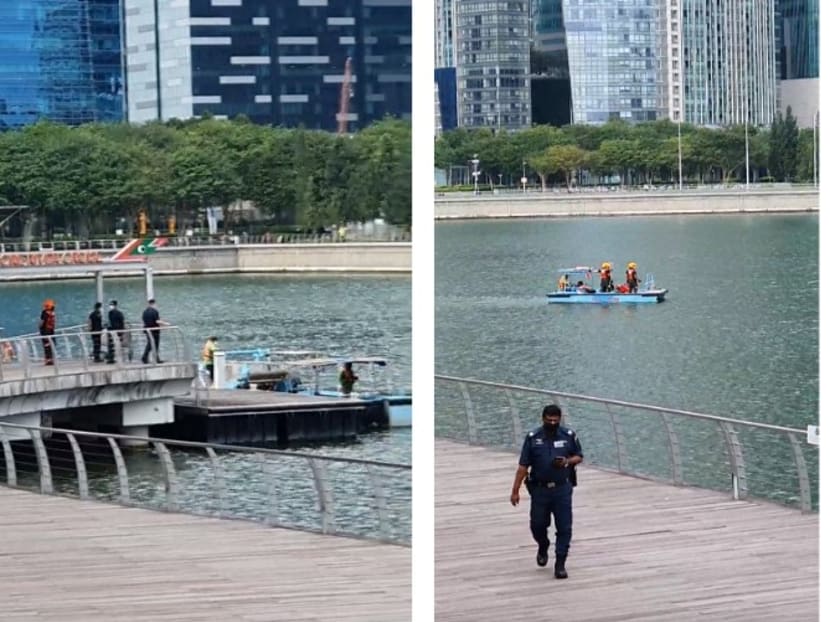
column 47, row 329
column 631, row 278
column 605, row 282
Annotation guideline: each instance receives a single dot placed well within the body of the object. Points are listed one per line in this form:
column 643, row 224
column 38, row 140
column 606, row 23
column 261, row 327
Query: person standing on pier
column 207, row 355
column 152, row 322
column 115, row 326
column 95, row 324
column 47, row 329
column 547, row 467
column 347, row 379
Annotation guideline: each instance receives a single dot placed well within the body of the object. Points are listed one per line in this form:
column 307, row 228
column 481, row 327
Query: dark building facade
column 60, row 60
column 278, row 63
column 447, row 103
column 798, row 26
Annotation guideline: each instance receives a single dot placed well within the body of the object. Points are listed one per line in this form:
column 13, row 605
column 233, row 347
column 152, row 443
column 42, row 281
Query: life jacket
column 605, row 274
column 49, row 322
column 631, row 275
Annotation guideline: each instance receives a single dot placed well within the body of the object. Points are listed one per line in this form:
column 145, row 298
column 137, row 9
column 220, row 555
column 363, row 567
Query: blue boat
column 581, row 290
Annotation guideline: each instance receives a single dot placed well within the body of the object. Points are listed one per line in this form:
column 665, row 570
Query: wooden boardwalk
column 65, row 560
column 640, row 551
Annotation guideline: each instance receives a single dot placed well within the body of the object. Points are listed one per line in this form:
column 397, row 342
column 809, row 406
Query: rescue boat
column 588, row 292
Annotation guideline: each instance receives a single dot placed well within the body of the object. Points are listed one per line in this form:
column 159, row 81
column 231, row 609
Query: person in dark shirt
column 347, row 379
column 115, row 326
column 95, row 324
column 46, row 328
column 152, row 322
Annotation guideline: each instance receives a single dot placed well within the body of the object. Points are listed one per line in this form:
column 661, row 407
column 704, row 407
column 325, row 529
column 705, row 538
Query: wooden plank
column 641, row 550
column 70, row 560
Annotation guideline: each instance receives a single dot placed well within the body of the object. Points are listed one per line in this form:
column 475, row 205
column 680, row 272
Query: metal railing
column 664, row 444
column 74, row 346
column 324, row 494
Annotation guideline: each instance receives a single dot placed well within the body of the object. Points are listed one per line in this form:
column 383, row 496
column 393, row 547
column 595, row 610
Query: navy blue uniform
column 151, row 317
column 551, row 488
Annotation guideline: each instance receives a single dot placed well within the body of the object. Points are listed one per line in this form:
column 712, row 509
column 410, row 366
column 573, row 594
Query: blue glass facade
column 60, row 60
column 614, row 58
column 798, row 46
column 445, row 79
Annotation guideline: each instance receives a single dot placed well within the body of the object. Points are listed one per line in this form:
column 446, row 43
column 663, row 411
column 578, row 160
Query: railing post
column 380, row 501
column 674, row 453
column 619, row 441
column 736, row 460
column 518, row 431
column 170, row 481
column 326, row 502
column 11, row 472
column 80, row 467
column 803, row 475
column 42, row 463
column 123, row 480
column 472, row 431
column 218, row 478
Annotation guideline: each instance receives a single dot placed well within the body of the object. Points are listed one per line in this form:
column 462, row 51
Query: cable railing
column 680, row 447
column 75, row 349
column 302, row 490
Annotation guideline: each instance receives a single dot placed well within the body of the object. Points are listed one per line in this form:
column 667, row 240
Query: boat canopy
column 576, row 270
column 321, row 363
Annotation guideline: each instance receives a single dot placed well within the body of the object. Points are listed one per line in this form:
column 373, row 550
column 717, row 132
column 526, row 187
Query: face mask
column 550, row 427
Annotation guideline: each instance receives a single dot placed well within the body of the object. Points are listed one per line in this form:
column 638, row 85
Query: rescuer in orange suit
column 47, row 329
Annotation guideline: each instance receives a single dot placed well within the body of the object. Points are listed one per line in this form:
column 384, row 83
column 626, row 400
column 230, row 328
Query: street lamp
column 524, row 177
column 475, row 161
column 679, row 157
column 815, row 149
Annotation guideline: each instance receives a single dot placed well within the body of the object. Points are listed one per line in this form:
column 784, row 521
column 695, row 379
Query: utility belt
column 531, row 484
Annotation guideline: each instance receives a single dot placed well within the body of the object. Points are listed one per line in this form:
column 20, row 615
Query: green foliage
column 637, row 153
column 99, row 174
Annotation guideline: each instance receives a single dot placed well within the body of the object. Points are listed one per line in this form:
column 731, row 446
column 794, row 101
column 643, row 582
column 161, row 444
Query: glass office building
column 729, row 65
column 279, row 63
column 615, row 58
column 798, row 46
column 492, row 52
column 60, row 60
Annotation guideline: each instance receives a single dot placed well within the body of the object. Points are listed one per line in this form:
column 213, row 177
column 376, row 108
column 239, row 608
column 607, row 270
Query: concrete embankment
column 550, row 205
column 346, row 257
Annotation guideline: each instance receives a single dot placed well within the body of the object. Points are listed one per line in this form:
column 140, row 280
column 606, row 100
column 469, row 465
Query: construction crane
column 345, row 96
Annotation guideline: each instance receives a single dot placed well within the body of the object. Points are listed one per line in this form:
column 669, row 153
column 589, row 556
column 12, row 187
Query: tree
column 783, row 147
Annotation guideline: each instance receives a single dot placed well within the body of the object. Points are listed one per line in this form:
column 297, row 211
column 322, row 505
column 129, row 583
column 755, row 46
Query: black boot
column 542, row 556
column 559, row 567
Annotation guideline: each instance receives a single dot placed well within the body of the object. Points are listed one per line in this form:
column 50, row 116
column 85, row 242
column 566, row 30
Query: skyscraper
column 492, row 52
column 798, row 58
column 729, row 69
column 60, row 60
column 615, row 59
column 280, row 63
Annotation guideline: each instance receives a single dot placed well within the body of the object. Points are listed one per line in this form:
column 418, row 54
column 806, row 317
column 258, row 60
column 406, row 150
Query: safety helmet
column 48, row 304
column 632, row 266
column 606, row 265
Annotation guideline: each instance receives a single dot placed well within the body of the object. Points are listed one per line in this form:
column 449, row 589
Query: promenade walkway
column 72, row 561
column 641, row 550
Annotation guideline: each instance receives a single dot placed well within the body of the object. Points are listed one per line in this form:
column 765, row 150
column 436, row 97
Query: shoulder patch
column 570, row 432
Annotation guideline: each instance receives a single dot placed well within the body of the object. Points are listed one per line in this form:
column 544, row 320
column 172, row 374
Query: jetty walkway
column 641, row 550
column 77, row 561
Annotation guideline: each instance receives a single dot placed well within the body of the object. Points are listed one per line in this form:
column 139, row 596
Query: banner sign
column 49, row 258
column 136, row 250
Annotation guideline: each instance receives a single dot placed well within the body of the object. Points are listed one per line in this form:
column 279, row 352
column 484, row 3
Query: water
column 737, row 336
column 354, row 315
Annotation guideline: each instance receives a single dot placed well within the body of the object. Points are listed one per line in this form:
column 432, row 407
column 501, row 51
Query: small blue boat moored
column 581, row 290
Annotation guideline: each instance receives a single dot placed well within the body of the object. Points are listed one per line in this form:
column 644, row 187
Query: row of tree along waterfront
column 91, row 176
column 649, row 152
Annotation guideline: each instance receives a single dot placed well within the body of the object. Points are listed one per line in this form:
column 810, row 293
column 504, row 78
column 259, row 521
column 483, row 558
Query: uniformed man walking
column 546, row 465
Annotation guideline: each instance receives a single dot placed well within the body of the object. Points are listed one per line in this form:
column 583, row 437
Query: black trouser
column 96, row 346
column 632, row 286
column 559, row 502
column 605, row 285
column 113, row 335
column 47, row 348
column 155, row 333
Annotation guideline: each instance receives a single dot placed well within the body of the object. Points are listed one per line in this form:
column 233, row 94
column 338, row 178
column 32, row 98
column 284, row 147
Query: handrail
column 23, row 356
column 327, row 494
column 680, row 447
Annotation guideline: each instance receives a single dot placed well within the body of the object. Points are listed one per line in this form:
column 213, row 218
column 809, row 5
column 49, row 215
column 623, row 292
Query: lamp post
column 524, row 177
column 476, row 172
column 815, row 149
column 679, row 158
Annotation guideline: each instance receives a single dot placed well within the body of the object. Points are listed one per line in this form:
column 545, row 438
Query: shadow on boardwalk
column 74, row 561
column 641, row 550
